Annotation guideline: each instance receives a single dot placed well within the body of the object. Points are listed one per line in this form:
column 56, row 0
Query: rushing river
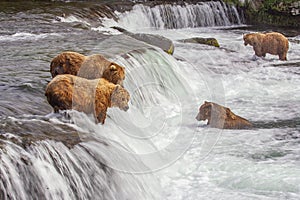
column 157, row 149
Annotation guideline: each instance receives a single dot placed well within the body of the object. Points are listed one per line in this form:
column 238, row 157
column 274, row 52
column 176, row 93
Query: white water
column 179, row 16
column 192, row 161
column 220, row 164
column 26, row 36
column 50, row 170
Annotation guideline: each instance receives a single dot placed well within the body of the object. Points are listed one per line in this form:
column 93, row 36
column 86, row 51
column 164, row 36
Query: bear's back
column 71, row 92
column 93, row 67
column 275, row 43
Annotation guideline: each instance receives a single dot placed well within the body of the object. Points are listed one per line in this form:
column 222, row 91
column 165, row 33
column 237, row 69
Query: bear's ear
column 113, row 67
column 117, row 87
column 116, row 90
column 208, row 104
column 230, row 114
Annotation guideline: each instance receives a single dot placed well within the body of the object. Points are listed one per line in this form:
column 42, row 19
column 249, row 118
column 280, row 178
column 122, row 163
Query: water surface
column 156, row 150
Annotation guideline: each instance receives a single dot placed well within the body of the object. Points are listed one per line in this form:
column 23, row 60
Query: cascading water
column 73, row 167
column 172, row 16
column 87, row 161
column 158, row 105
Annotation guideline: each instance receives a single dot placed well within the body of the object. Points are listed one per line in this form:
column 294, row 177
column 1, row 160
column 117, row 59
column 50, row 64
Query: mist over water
column 157, row 149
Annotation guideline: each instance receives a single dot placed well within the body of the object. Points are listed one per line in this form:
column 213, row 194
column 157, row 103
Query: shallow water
column 155, row 150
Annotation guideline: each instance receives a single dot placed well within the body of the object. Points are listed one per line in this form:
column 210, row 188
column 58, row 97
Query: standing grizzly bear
column 221, row 117
column 272, row 43
column 90, row 67
column 66, row 92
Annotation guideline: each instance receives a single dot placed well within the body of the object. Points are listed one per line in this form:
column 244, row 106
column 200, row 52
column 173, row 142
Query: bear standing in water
column 272, row 43
column 66, row 92
column 221, row 117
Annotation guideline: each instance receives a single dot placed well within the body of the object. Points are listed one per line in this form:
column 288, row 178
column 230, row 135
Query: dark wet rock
column 288, row 64
column 270, row 154
column 276, row 13
column 288, row 123
column 155, row 40
column 27, row 132
column 295, row 41
column 208, row 41
column 292, row 135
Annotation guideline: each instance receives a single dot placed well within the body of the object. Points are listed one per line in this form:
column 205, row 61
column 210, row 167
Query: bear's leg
column 101, row 117
column 258, row 51
column 258, row 54
column 282, row 56
column 56, row 109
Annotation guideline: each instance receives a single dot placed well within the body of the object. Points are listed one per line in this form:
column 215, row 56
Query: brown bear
column 67, row 91
column 272, row 43
column 221, row 117
column 90, row 67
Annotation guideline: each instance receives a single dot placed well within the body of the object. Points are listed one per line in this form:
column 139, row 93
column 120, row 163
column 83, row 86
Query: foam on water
column 250, row 164
column 26, row 36
column 57, row 171
column 157, row 104
column 70, row 19
column 242, row 165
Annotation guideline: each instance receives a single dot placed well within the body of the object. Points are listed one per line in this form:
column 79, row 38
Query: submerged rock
column 208, row 41
column 155, row 40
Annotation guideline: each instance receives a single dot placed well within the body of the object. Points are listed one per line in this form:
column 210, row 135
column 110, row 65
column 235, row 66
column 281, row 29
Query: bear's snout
column 126, row 108
column 198, row 117
column 57, row 70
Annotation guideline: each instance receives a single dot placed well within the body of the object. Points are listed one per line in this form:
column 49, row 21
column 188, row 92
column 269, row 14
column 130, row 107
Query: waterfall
column 163, row 98
column 172, row 16
column 40, row 167
column 57, row 159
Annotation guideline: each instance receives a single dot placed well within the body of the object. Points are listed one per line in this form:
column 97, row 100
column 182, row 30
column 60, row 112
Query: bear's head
column 214, row 112
column 120, row 98
column 114, row 74
column 204, row 111
column 248, row 39
column 253, row 39
column 66, row 63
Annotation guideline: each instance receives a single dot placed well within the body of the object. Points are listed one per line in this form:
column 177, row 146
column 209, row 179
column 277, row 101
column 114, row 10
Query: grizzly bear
column 221, row 117
column 272, row 43
column 90, row 67
column 66, row 92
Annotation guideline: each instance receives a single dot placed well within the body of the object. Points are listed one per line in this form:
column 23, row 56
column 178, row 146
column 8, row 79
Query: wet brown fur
column 272, row 43
column 90, row 67
column 66, row 92
column 221, row 117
